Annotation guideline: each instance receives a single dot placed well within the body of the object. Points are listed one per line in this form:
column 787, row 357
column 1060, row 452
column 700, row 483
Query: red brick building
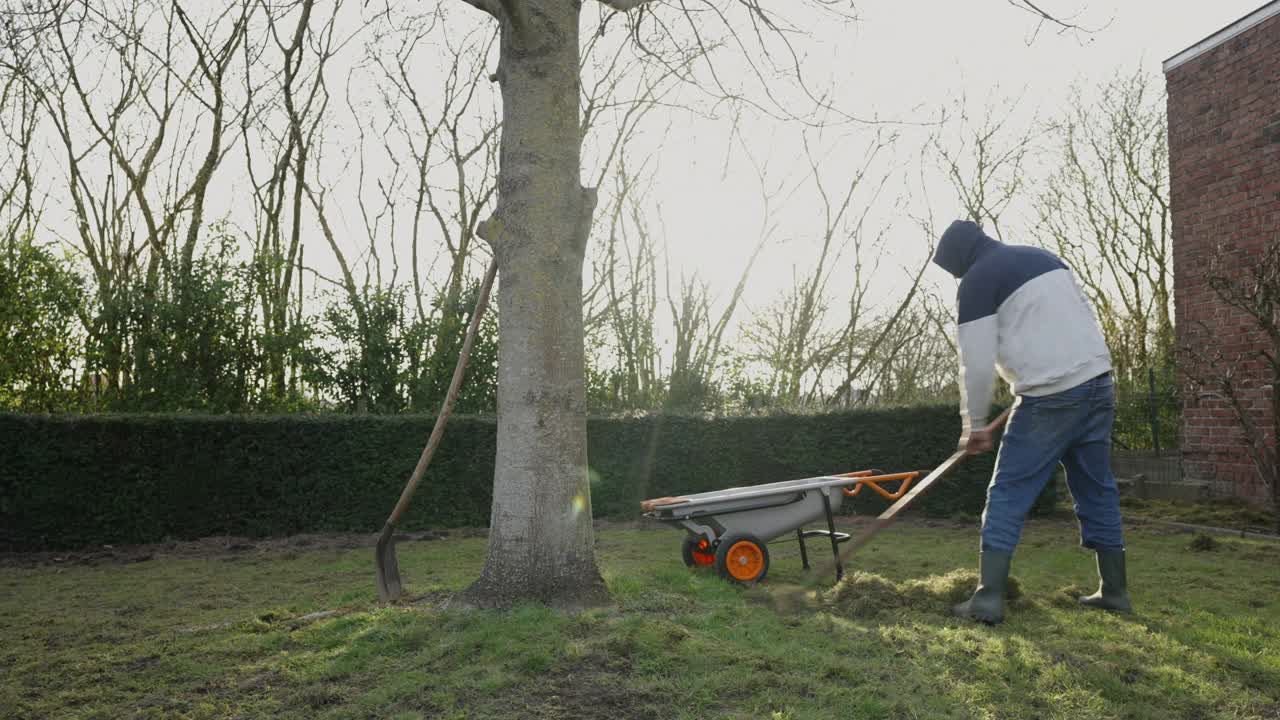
column 1224, row 151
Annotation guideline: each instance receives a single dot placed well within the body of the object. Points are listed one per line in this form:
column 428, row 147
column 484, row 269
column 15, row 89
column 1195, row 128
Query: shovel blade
column 389, row 587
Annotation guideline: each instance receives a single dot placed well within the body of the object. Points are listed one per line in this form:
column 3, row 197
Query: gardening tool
column 730, row 529
column 389, row 587
column 887, row 518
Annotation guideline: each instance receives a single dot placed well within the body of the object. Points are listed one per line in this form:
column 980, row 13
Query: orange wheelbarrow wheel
column 742, row 558
column 697, row 552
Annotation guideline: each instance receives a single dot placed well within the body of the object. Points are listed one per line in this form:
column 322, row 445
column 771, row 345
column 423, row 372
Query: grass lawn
column 1221, row 513
column 226, row 635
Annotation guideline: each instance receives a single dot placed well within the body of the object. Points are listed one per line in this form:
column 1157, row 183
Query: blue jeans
column 1072, row 427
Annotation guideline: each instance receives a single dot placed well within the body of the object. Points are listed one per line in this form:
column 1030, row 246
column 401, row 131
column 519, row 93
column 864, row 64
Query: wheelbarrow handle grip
column 873, row 481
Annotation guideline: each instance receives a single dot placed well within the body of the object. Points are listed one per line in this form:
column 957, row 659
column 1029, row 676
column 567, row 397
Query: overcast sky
column 907, row 60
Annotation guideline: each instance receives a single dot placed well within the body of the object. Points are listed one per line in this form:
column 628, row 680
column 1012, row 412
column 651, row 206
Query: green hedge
column 68, row 481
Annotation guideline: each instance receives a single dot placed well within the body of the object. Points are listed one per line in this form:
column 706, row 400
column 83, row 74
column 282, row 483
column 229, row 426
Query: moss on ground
column 299, row 636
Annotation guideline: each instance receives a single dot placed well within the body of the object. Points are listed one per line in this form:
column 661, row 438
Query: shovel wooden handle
column 459, row 370
column 886, row 518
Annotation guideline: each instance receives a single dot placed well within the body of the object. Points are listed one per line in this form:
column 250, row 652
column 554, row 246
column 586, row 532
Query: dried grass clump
column 1068, row 596
column 866, row 594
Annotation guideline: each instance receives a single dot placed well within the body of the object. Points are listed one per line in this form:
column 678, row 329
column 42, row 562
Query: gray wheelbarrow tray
column 745, row 519
column 762, row 513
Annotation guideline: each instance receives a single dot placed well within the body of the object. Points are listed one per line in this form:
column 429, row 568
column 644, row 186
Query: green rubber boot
column 987, row 603
column 1113, row 592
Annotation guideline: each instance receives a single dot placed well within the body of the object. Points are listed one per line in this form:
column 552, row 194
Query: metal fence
column 1162, row 467
column 1145, row 454
column 1147, row 417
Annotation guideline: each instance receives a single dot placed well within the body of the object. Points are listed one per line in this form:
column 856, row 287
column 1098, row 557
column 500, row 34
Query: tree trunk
column 540, row 535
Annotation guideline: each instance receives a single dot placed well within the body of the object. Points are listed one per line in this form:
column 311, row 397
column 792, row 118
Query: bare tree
column 622, row 298
column 808, row 361
column 21, row 202
column 887, row 354
column 623, row 310
column 623, row 306
column 452, row 131
column 40, row 347
column 1106, row 212
column 110, row 79
column 698, row 355
column 281, row 133
column 154, row 82
column 985, row 159
column 917, row 357
column 451, row 136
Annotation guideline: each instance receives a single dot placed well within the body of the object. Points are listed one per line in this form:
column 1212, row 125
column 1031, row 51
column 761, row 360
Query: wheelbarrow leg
column 804, row 555
column 831, row 532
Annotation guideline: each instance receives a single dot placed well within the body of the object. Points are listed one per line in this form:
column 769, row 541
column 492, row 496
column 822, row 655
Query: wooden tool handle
column 886, row 518
column 437, row 432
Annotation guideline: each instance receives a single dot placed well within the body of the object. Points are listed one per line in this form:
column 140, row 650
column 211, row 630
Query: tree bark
column 540, row 536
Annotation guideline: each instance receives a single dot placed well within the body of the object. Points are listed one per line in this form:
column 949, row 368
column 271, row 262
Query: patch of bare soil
column 241, row 686
column 434, row 600
column 594, row 687
column 222, row 547
column 1203, row 543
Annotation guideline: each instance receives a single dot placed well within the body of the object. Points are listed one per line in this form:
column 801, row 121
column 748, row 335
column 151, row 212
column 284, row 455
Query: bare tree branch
column 1063, row 23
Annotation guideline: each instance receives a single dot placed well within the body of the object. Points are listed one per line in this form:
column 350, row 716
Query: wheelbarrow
column 730, row 529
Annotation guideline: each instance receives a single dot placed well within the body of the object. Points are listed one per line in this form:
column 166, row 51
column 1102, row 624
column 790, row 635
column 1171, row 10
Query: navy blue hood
column 960, row 247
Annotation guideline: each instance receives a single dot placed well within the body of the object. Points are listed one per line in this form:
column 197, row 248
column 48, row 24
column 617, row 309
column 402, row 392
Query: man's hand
column 983, row 439
column 978, row 441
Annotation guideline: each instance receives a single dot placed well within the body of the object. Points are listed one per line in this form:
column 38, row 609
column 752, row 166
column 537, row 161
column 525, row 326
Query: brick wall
column 1224, row 148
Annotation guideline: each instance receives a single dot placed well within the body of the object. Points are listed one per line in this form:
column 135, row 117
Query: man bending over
column 1022, row 314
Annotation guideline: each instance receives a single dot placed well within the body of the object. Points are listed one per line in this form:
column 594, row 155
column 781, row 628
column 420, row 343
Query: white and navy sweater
column 1021, row 313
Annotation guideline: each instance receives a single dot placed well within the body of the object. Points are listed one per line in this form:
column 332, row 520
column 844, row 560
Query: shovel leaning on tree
column 389, row 587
